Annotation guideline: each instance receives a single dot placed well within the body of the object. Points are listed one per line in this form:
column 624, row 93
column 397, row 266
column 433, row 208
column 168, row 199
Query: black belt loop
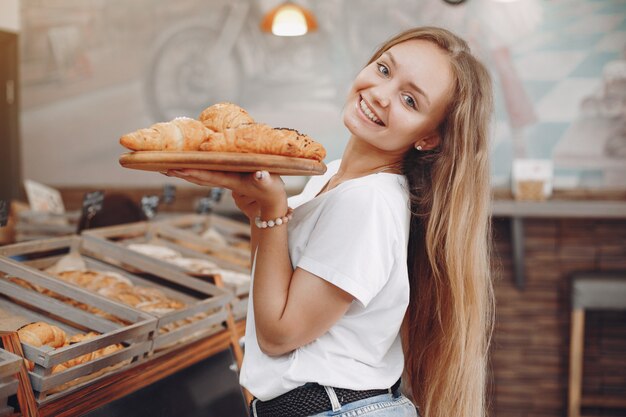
column 395, row 387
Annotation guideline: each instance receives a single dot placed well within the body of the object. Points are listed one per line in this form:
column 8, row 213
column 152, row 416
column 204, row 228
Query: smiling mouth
column 369, row 113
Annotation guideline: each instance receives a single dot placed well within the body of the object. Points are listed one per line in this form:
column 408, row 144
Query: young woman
column 382, row 267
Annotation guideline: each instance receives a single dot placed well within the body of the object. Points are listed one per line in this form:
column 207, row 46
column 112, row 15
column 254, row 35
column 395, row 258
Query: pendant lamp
column 289, row 19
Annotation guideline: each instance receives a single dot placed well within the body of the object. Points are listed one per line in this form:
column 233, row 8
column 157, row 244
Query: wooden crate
column 9, row 366
column 33, row 225
column 116, row 239
column 29, row 305
column 205, row 304
column 187, row 231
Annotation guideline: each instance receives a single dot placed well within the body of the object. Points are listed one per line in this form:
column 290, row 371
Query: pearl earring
column 418, row 147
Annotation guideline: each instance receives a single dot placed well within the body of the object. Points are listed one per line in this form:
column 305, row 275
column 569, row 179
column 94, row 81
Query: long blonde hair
column 448, row 324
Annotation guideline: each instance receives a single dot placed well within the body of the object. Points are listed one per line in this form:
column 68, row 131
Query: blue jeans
column 385, row 405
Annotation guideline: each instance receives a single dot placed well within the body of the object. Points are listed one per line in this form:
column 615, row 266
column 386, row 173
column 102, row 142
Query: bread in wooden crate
column 57, row 356
column 40, row 334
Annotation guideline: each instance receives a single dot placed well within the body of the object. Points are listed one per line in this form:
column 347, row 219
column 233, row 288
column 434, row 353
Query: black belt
column 311, row 399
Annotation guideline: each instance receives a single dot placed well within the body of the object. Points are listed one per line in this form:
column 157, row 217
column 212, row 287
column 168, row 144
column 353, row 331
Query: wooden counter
column 144, row 373
column 550, row 209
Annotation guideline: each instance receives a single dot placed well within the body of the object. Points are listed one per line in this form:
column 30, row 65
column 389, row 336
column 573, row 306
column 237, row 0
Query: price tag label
column 149, row 205
column 4, row 213
column 169, row 193
column 43, row 198
column 216, row 194
column 92, row 203
column 205, row 205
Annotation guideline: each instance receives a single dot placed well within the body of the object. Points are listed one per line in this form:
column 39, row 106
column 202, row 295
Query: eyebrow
column 411, row 83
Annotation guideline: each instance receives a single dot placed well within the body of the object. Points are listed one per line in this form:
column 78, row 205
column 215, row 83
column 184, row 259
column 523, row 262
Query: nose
column 380, row 96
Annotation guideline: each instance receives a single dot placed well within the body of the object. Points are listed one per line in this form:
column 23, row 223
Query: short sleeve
column 353, row 242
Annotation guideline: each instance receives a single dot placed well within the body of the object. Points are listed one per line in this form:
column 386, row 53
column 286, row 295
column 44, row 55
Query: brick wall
column 530, row 349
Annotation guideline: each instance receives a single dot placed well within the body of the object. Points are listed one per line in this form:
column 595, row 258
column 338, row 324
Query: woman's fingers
column 230, row 180
column 244, row 200
column 260, row 185
column 239, row 182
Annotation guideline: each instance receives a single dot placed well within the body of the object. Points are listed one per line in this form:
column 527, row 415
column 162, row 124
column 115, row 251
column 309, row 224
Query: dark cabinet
column 10, row 158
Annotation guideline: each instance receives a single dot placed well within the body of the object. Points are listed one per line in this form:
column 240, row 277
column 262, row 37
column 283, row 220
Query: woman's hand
column 248, row 206
column 253, row 193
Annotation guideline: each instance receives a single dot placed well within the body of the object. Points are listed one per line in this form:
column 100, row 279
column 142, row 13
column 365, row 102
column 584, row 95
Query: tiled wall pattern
column 95, row 69
column 561, row 64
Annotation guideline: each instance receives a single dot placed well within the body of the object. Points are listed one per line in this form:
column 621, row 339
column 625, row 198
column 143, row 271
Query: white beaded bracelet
column 264, row 224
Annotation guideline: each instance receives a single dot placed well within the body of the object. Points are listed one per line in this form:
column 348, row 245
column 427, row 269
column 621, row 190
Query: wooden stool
column 590, row 290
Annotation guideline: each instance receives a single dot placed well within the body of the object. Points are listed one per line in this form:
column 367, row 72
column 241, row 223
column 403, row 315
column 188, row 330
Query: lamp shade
column 289, row 19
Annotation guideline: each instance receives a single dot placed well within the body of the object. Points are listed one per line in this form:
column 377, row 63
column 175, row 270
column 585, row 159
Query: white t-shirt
column 355, row 236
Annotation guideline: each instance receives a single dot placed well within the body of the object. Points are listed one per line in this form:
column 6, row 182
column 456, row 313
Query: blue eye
column 383, row 69
column 410, row 101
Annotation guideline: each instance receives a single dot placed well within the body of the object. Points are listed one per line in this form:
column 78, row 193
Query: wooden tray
column 199, row 296
column 32, row 225
column 35, row 306
column 186, row 230
column 116, row 238
column 221, row 161
column 9, row 366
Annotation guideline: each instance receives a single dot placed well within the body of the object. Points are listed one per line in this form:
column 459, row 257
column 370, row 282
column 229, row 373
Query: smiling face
column 399, row 99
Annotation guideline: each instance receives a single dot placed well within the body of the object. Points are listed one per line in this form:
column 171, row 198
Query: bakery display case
column 185, row 308
column 159, row 246
column 96, row 289
column 9, row 366
column 68, row 336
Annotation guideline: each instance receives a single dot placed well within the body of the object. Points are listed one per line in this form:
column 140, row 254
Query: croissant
column 83, row 358
column 39, row 333
column 107, row 350
column 305, row 147
column 88, row 356
column 180, row 134
column 126, row 297
column 58, row 368
column 261, row 138
column 80, row 278
column 221, row 116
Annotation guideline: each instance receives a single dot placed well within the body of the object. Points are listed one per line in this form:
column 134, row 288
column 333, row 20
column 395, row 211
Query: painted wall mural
column 95, row 69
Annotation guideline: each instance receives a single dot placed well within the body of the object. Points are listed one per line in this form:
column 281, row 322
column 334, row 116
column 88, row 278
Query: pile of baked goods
column 223, row 127
column 40, row 333
column 117, row 288
column 67, row 300
column 193, row 266
column 214, row 236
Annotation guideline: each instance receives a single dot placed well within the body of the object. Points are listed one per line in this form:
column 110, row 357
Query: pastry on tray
column 221, row 116
column 224, row 127
column 180, row 134
column 264, row 139
column 41, row 333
